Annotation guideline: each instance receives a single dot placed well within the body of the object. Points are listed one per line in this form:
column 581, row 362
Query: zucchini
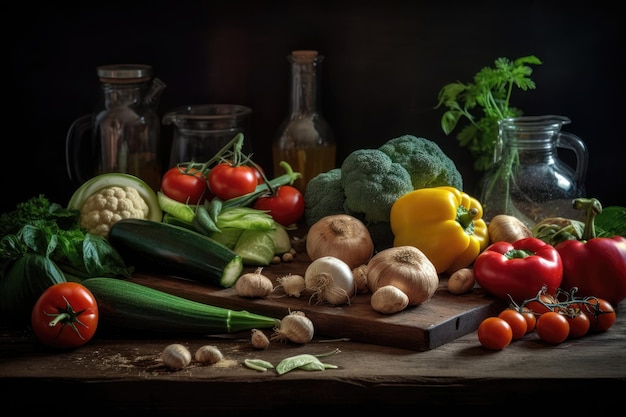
column 131, row 306
column 163, row 248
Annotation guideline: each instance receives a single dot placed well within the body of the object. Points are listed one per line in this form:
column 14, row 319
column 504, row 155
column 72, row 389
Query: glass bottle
column 304, row 139
column 528, row 179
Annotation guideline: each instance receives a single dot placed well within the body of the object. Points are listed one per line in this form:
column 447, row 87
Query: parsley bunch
column 491, row 93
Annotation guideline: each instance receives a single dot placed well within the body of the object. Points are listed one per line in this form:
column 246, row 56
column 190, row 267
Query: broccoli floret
column 323, row 196
column 424, row 160
column 372, row 182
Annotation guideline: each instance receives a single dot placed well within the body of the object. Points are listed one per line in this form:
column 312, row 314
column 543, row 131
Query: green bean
column 294, row 362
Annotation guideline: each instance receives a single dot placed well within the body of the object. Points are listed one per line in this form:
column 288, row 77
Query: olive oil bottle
column 304, row 139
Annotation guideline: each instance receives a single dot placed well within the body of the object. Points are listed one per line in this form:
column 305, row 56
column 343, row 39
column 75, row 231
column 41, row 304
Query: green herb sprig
column 491, row 92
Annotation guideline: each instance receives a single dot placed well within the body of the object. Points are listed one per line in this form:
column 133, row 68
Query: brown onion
column 342, row 236
column 406, row 268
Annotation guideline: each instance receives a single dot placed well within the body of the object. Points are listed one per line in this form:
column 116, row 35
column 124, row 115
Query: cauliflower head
column 110, row 205
column 323, row 196
column 372, row 182
column 425, row 162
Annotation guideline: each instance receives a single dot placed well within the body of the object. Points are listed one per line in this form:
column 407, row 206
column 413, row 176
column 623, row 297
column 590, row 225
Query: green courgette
column 157, row 247
column 130, row 306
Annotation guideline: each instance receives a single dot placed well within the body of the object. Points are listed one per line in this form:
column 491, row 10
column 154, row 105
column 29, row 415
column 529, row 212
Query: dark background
column 385, row 63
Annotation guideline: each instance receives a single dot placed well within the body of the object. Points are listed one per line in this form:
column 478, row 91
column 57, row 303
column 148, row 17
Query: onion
column 295, row 327
column 342, row 236
column 331, row 280
column 406, row 268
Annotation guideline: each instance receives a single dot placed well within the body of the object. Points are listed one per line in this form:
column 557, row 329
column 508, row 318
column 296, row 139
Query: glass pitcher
column 528, row 180
column 123, row 135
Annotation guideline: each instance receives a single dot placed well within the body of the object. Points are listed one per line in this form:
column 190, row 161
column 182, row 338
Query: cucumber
column 163, row 248
column 131, row 306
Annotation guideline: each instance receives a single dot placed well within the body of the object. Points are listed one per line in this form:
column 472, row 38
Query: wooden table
column 125, row 374
column 117, row 372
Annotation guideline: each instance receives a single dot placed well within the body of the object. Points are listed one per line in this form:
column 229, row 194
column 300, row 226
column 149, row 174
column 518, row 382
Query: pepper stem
column 592, row 208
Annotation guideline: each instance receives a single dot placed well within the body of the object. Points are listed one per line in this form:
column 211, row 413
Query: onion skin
column 507, row 228
column 342, row 236
column 406, row 268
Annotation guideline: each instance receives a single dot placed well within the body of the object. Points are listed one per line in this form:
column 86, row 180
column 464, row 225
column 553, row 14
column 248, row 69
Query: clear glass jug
column 123, row 134
column 528, row 179
column 200, row 131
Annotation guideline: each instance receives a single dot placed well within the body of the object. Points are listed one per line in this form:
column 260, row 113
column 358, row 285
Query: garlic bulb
column 176, row 356
column 254, row 285
column 406, row 268
column 209, row 354
column 342, row 236
column 292, row 284
column 295, row 327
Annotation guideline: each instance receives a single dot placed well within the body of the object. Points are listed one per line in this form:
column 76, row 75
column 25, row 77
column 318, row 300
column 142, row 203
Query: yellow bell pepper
column 444, row 223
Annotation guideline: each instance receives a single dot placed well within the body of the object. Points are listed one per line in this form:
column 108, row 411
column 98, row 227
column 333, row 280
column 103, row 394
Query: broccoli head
column 424, row 160
column 372, row 182
column 323, row 196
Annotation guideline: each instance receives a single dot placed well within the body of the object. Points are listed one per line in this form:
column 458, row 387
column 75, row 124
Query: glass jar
column 528, row 179
column 304, row 139
column 124, row 132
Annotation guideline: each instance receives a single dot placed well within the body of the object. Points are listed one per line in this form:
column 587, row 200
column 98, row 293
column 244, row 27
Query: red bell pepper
column 595, row 265
column 519, row 270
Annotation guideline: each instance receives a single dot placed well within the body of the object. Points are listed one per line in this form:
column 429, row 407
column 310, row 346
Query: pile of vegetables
column 370, row 181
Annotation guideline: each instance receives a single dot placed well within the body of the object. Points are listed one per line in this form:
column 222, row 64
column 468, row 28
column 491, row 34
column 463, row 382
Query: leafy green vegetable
column 491, row 92
column 611, row 222
column 45, row 228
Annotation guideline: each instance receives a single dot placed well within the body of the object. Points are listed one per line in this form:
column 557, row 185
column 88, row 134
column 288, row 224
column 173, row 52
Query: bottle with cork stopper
column 304, row 139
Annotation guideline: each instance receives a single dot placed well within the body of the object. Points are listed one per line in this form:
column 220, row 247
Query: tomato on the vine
column 552, row 327
column 540, row 308
column 516, row 320
column 531, row 319
column 579, row 324
column 228, row 181
column 286, row 206
column 495, row 333
column 601, row 314
column 185, row 186
column 65, row 316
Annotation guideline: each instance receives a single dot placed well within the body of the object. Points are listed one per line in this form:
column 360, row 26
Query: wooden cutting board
column 435, row 322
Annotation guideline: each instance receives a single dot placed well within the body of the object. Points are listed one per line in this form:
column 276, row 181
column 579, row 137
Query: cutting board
column 433, row 323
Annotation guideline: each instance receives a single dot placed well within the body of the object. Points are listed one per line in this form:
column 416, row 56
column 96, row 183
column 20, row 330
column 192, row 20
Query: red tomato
column 516, row 320
column 539, row 308
column 552, row 327
column 227, row 181
column 495, row 333
column 185, row 187
column 286, row 206
column 258, row 175
column 531, row 319
column 579, row 324
column 65, row 316
column 600, row 312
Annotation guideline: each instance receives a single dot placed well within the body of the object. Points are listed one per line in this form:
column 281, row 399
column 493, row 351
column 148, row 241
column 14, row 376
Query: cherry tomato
column 516, row 320
column 495, row 333
column 65, row 316
column 539, row 308
column 552, row 327
column 601, row 314
column 286, row 206
column 185, row 187
column 531, row 319
column 579, row 324
column 227, row 181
